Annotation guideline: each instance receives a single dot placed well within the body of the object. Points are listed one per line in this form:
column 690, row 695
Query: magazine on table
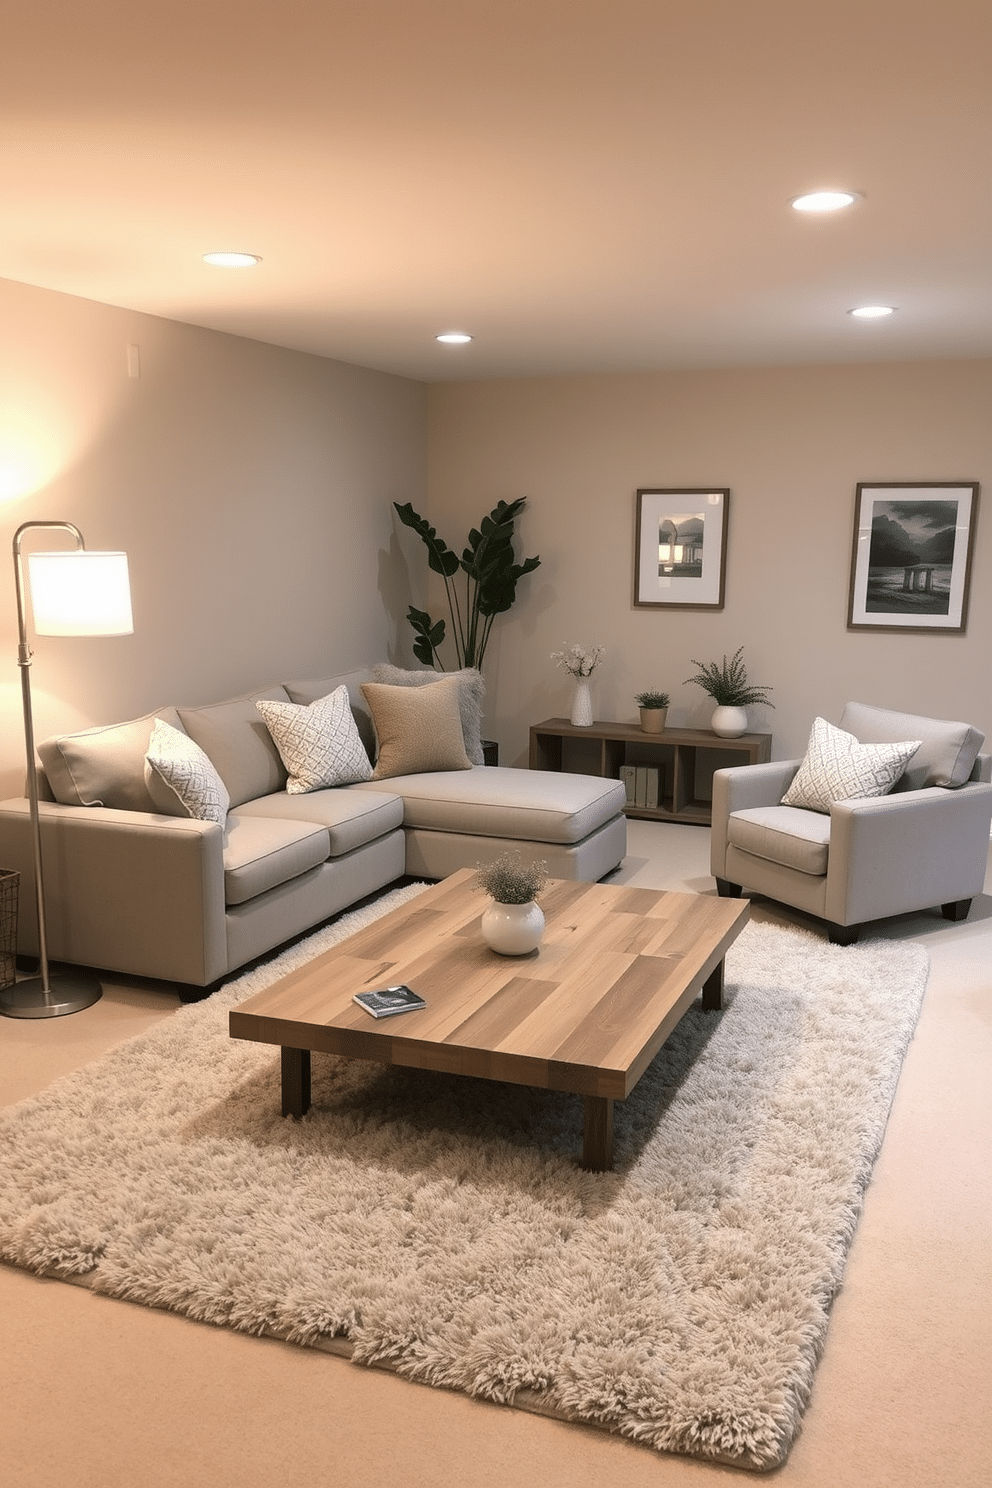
column 386, row 1002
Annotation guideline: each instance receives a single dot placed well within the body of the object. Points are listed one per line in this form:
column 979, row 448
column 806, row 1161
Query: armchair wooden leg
column 728, row 890
column 843, row 935
column 958, row 910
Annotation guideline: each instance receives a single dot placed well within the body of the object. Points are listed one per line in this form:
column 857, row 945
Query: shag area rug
column 442, row 1227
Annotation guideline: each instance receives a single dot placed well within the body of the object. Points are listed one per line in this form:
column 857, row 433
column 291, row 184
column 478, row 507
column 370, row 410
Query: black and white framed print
column 680, row 548
column 911, row 559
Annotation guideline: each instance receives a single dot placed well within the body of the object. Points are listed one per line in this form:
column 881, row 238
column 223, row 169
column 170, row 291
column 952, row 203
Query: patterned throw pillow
column 181, row 779
column 319, row 743
column 838, row 768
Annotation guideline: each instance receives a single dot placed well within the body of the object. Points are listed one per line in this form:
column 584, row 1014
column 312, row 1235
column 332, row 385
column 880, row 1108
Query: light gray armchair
column 924, row 844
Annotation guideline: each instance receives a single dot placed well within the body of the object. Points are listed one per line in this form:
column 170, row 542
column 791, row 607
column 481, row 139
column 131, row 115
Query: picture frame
column 911, row 556
column 680, row 547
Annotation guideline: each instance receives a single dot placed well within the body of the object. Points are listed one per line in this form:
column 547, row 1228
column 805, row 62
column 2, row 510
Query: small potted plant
column 653, row 709
column 514, row 922
column 727, row 684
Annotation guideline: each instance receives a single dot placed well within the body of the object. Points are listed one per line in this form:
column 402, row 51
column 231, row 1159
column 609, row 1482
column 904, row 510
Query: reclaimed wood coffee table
column 585, row 1013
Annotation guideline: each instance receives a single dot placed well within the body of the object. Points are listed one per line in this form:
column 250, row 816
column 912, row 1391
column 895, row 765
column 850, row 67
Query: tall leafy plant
column 479, row 585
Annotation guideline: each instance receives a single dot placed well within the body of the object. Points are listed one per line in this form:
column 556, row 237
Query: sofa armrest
column 124, row 890
column 740, row 788
column 914, row 850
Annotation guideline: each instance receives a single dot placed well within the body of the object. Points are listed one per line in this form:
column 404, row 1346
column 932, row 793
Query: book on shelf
column 386, row 1002
column 647, row 787
column 627, row 778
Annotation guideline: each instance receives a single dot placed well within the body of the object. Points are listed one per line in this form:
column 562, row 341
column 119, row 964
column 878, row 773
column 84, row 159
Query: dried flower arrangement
column 511, row 879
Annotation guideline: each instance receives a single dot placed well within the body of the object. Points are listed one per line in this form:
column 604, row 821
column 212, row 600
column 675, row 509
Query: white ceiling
column 584, row 185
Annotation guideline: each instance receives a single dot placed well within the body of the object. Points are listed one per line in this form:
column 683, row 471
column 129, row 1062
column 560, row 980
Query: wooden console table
column 681, row 753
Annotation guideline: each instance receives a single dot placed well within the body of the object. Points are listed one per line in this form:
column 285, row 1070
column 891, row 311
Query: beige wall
column 791, row 444
column 250, row 486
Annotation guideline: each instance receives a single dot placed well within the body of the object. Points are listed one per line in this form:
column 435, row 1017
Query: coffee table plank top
column 587, row 1012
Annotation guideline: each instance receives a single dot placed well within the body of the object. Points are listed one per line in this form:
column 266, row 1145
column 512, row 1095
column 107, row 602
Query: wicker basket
column 8, row 927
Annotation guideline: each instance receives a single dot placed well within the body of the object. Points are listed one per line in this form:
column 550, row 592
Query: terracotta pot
column 653, row 720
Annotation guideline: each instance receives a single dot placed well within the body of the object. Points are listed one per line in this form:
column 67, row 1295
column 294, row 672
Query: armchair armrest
column 740, row 788
column 914, row 850
column 124, row 890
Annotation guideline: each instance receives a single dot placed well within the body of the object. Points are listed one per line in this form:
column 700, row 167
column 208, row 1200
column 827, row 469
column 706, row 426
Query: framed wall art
column 681, row 548
column 911, row 558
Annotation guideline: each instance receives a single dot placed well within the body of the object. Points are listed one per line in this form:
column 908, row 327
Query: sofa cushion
column 233, row 735
column 837, row 768
column 309, row 689
column 180, row 778
column 417, row 728
column 947, row 750
column 521, row 805
column 318, row 742
column 103, row 766
column 260, row 853
column 470, row 698
column 783, row 834
column 351, row 819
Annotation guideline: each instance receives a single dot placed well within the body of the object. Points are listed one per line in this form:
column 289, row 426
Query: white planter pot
column 729, row 723
column 513, row 929
column 582, row 704
column 653, row 720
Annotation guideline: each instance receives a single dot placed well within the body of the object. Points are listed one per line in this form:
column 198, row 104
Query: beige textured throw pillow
column 838, row 768
column 470, row 699
column 318, row 743
column 418, row 729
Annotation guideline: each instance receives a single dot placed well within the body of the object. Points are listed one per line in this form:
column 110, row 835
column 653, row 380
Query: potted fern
column 653, row 707
column 727, row 684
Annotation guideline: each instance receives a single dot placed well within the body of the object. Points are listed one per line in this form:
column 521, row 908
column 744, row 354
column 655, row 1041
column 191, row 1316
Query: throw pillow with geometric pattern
column 319, row 743
column 181, row 779
column 838, row 768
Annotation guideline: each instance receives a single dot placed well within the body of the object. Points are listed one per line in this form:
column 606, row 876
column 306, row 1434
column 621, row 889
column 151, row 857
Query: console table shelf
column 681, row 753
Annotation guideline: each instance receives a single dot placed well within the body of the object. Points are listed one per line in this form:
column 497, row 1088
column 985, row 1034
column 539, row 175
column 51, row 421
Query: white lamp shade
column 80, row 593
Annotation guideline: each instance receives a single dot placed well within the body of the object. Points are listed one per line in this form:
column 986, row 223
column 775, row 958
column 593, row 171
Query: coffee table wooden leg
column 713, row 991
column 597, row 1146
column 295, row 1082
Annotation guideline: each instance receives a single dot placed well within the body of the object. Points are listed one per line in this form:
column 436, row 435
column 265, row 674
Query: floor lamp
column 73, row 593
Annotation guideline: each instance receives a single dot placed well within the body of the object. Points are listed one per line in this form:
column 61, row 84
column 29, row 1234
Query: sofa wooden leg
column 728, row 890
column 958, row 910
column 843, row 935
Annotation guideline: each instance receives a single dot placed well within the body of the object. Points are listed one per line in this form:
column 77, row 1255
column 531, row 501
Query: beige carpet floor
column 99, row 1392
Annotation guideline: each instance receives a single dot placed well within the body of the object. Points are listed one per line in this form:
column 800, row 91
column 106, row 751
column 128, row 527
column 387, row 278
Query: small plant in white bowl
column 514, row 922
column 653, row 707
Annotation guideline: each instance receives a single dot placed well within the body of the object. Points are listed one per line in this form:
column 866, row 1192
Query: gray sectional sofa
column 131, row 887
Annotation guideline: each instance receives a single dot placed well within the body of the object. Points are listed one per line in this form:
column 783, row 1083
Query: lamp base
column 65, row 994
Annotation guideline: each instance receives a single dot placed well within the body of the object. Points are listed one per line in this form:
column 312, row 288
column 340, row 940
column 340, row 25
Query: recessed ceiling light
column 824, row 201
column 453, row 338
column 232, row 260
column 872, row 312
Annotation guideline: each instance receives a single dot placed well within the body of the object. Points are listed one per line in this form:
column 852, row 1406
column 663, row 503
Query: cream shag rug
column 441, row 1227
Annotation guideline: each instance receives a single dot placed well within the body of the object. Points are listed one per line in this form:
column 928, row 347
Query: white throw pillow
column 319, row 743
column 180, row 778
column 838, row 768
